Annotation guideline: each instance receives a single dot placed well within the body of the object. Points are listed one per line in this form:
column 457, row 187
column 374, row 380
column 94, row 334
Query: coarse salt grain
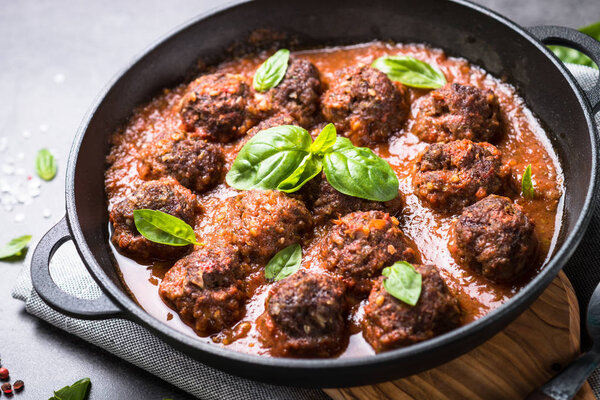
column 19, row 217
column 47, row 213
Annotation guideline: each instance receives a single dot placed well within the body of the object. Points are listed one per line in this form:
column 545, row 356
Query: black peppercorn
column 18, row 385
column 3, row 373
column 6, row 388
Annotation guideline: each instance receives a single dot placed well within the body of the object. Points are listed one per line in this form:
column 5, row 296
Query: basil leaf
column 272, row 71
column 285, row 263
column 76, row 391
column 573, row 56
column 160, row 227
column 527, row 184
column 325, row 141
column 403, row 282
column 45, row 165
column 342, row 143
column 410, row 71
column 15, row 247
column 358, row 172
column 269, row 158
column 308, row 169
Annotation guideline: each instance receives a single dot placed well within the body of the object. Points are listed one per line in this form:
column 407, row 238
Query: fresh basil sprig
column 77, row 391
column 160, row 227
column 403, row 282
column 573, row 56
column 45, row 165
column 285, row 263
column 15, row 247
column 410, row 72
column 527, row 184
column 285, row 158
column 272, row 71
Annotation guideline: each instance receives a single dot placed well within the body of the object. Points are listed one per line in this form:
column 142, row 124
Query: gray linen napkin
column 135, row 344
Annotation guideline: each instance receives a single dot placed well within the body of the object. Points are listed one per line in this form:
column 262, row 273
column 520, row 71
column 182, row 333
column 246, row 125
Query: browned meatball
column 276, row 120
column 206, row 289
column 360, row 245
column 364, row 105
column 218, row 107
column 262, row 222
column 390, row 323
column 165, row 195
column 449, row 176
column 495, row 238
column 326, row 203
column 195, row 163
column 304, row 315
column 298, row 93
column 458, row 112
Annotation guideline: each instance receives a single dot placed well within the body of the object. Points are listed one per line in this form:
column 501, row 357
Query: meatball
column 365, row 105
column 276, row 120
column 262, row 222
column 326, row 203
column 206, row 289
column 304, row 315
column 390, row 323
column 165, row 195
column 495, row 238
column 217, row 107
column 458, row 112
column 449, row 176
column 195, row 163
column 360, row 245
column 298, row 93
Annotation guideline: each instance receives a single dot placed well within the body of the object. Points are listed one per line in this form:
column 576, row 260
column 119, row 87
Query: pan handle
column 55, row 297
column 562, row 36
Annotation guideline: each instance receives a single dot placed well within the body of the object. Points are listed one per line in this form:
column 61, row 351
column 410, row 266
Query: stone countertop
column 56, row 57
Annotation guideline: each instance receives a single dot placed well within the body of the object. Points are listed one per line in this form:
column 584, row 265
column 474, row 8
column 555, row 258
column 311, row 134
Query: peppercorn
column 6, row 388
column 18, row 385
column 3, row 373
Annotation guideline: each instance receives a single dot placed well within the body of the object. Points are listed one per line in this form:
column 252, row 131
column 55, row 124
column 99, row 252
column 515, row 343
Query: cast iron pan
column 461, row 28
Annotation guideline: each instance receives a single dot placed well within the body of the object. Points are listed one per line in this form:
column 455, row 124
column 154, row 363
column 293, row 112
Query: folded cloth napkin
column 135, row 344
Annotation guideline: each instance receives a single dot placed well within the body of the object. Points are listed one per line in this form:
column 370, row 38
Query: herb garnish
column 573, row 56
column 284, row 158
column 403, row 282
column 160, row 227
column 527, row 184
column 76, row 391
column 410, row 72
column 272, row 71
column 285, row 263
column 45, row 165
column 15, row 247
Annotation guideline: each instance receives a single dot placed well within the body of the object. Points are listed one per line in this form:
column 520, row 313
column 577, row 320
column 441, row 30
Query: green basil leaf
column 77, row 391
column 358, row 172
column 325, row 141
column 285, row 263
column 403, row 282
column 45, row 165
column 342, row 143
column 272, row 71
column 160, row 227
column 310, row 166
column 527, row 184
column 15, row 247
column 573, row 56
column 269, row 158
column 410, row 71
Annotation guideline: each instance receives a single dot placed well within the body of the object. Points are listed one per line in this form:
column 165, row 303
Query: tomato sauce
column 524, row 143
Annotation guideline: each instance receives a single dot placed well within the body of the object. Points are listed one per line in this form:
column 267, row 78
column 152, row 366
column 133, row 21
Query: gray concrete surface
column 54, row 58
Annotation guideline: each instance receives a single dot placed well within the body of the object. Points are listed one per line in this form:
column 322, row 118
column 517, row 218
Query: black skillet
column 462, row 29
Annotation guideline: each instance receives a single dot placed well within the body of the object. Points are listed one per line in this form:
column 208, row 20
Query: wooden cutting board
column 528, row 352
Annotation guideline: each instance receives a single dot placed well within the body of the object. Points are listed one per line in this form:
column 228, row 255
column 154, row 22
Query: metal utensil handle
column 55, row 297
column 562, row 36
